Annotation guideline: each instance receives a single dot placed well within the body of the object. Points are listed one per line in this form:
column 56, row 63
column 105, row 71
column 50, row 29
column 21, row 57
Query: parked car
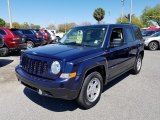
column 34, row 37
column 153, row 42
column 1, row 45
column 148, row 33
column 52, row 36
column 14, row 41
column 86, row 59
column 47, row 36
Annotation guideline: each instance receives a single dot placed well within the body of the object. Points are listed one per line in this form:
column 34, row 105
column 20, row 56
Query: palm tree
column 99, row 14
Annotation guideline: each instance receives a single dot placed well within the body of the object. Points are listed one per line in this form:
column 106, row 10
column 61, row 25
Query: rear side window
column 16, row 32
column 128, row 35
column 27, row 32
column 138, row 33
column 2, row 32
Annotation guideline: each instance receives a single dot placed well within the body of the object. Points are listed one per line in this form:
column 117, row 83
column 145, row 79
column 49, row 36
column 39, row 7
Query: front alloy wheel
column 91, row 90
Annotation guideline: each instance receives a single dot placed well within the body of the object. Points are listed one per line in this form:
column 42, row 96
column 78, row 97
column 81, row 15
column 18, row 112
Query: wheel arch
column 99, row 64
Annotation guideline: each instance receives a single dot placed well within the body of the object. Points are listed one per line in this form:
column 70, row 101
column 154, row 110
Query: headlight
column 55, row 67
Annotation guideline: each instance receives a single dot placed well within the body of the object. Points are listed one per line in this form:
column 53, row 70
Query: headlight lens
column 55, row 67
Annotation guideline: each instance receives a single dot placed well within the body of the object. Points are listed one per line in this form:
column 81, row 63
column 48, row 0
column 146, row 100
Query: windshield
column 157, row 34
column 85, row 36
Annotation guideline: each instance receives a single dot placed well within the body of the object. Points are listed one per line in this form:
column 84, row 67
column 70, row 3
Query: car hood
column 63, row 52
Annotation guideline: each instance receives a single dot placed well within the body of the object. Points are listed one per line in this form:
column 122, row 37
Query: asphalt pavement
column 130, row 97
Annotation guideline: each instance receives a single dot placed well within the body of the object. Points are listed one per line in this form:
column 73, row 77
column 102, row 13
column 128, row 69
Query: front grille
column 34, row 66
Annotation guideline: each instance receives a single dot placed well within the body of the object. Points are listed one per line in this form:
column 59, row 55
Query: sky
column 44, row 12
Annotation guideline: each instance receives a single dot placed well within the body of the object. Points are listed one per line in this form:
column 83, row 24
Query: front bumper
column 54, row 88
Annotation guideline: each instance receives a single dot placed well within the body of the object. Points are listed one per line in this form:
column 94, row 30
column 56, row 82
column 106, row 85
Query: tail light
column 16, row 38
column 38, row 35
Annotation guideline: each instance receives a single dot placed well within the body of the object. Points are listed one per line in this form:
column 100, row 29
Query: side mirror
column 116, row 42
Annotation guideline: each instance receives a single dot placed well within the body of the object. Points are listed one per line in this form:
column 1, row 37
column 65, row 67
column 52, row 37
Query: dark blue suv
column 33, row 37
column 84, row 60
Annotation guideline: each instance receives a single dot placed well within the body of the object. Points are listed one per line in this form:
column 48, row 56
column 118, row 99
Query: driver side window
column 116, row 38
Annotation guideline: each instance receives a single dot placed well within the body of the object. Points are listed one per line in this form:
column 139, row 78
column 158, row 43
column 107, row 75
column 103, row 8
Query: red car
column 47, row 36
column 13, row 40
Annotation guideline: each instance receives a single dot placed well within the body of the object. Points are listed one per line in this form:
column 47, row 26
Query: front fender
column 92, row 63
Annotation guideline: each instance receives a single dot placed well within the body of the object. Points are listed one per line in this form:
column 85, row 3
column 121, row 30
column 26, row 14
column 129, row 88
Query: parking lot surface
column 130, row 97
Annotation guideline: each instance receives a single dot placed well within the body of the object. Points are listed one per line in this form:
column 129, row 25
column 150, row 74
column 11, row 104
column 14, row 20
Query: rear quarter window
column 138, row 34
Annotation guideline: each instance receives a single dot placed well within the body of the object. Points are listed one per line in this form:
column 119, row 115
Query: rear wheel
column 91, row 90
column 6, row 52
column 138, row 64
column 153, row 45
column 30, row 45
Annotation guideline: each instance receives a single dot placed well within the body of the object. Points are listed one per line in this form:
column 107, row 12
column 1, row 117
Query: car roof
column 105, row 25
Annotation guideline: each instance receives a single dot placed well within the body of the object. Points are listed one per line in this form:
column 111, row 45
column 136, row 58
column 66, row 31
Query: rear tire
column 137, row 66
column 30, row 45
column 91, row 90
column 153, row 46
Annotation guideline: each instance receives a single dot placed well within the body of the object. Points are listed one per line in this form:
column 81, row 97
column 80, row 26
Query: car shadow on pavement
column 115, row 81
column 53, row 104
column 4, row 62
column 60, row 105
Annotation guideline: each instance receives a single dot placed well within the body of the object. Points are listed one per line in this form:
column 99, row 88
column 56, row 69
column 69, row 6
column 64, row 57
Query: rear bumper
column 18, row 46
column 46, row 87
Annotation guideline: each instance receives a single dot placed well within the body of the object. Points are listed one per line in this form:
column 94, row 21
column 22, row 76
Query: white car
column 52, row 33
column 153, row 42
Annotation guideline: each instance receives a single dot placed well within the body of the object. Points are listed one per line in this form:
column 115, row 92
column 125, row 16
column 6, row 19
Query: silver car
column 153, row 42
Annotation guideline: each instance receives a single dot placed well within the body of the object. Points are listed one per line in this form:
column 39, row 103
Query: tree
column 135, row 20
column 7, row 24
column 99, row 14
column 34, row 26
column 51, row 27
column 2, row 22
column 85, row 23
column 151, row 14
column 66, row 27
column 25, row 25
column 16, row 25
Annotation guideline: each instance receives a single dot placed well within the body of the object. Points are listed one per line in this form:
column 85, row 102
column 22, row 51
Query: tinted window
column 138, row 33
column 128, row 35
column 16, row 32
column 148, row 33
column 26, row 32
column 157, row 34
column 2, row 32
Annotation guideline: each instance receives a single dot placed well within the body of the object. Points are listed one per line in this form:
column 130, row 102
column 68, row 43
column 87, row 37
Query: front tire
column 137, row 66
column 153, row 45
column 91, row 90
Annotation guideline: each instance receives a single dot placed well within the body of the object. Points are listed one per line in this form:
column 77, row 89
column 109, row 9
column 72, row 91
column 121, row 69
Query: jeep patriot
column 82, row 62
